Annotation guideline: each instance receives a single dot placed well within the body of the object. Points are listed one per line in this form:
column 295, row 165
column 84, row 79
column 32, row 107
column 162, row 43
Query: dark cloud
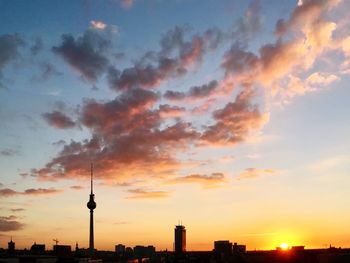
column 86, row 54
column 168, row 111
column 140, row 193
column 39, row 191
column 174, row 95
column 8, row 152
column 24, row 175
column 127, row 135
column 47, row 70
column 7, row 192
column 17, row 210
column 235, row 120
column 59, row 143
column 37, row 46
column 59, row 120
column 76, row 187
column 175, row 58
column 195, row 92
column 250, row 23
column 9, row 224
column 9, row 45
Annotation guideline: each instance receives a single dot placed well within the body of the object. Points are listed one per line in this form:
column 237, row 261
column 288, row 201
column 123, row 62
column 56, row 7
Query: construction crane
column 56, row 241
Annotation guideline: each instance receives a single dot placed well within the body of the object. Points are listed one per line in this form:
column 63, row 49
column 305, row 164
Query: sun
column 284, row 246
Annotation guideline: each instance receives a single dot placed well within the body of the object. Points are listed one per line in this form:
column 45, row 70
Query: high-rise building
column 180, row 239
column 91, row 205
column 11, row 247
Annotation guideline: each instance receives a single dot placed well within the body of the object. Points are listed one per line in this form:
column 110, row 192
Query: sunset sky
column 230, row 116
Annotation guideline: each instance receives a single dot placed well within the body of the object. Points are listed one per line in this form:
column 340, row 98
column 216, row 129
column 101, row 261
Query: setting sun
column 284, row 246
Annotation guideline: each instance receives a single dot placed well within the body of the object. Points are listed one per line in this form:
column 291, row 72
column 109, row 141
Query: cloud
column 86, row 54
column 140, row 193
column 37, row 46
column 127, row 138
column 58, row 120
column 156, row 67
column 251, row 173
column 127, row 3
column 235, row 121
column 47, row 70
column 17, row 209
column 195, row 92
column 6, row 192
column 76, row 187
column 167, row 111
column 98, row 25
column 8, row 152
column 9, row 224
column 136, row 134
column 250, row 23
column 321, row 79
column 301, row 40
column 9, row 45
column 207, row 180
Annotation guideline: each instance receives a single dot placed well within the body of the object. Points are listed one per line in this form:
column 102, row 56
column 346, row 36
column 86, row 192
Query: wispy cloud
column 140, row 193
column 252, row 173
column 211, row 180
column 8, row 152
column 8, row 223
column 59, row 120
column 6, row 192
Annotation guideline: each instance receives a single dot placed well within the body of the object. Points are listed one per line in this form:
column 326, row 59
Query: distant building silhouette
column 238, row 249
column 11, row 247
column 62, row 250
column 37, row 248
column 222, row 249
column 120, row 249
column 180, row 239
column 144, row 252
column 91, row 205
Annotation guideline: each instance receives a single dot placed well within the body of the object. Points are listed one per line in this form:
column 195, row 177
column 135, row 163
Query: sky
column 229, row 116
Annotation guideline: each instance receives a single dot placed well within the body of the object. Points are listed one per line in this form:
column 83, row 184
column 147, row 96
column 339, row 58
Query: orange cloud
column 213, row 179
column 251, row 173
column 6, row 192
column 146, row 194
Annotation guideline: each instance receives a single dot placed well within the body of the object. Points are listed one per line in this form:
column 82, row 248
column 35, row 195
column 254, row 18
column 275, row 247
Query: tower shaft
column 91, row 205
column 91, row 239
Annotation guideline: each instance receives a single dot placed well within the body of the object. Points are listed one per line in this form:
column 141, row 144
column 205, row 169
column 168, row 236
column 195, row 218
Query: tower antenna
column 92, row 176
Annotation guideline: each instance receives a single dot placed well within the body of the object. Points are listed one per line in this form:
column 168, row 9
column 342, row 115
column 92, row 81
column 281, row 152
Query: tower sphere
column 91, row 204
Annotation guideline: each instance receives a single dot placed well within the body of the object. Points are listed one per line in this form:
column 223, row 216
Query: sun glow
column 284, row 246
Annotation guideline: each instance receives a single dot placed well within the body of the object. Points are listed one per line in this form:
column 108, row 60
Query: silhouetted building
column 298, row 248
column 11, row 247
column 129, row 252
column 91, row 205
column 120, row 249
column 144, row 252
column 222, row 249
column 37, row 248
column 238, row 249
column 62, row 250
column 180, row 239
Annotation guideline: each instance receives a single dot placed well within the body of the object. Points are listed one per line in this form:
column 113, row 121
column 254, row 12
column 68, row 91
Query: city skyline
column 231, row 116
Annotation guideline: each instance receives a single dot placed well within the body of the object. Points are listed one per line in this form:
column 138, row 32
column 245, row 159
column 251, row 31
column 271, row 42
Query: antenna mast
column 92, row 175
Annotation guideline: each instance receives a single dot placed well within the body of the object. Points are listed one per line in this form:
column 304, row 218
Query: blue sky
column 236, row 110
